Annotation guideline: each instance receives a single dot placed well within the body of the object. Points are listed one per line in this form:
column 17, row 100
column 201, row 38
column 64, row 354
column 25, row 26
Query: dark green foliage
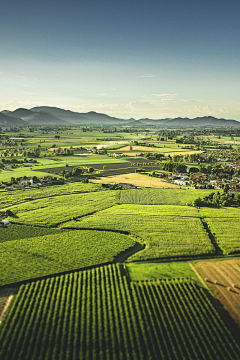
column 77, row 171
column 193, row 169
column 172, row 166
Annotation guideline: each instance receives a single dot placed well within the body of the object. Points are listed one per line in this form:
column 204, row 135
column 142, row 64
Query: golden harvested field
column 137, row 180
column 227, row 289
column 183, row 152
column 147, row 148
column 136, row 150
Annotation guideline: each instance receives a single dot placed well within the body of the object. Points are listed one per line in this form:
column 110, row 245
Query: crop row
column 99, row 314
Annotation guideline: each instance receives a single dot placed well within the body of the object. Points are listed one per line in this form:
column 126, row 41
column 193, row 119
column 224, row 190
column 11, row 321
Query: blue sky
column 132, row 58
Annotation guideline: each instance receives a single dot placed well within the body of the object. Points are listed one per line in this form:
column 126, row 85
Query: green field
column 20, row 232
column 183, row 196
column 34, row 169
column 100, row 274
column 56, row 210
column 9, row 198
column 224, row 224
column 168, row 231
column 99, row 315
column 166, row 270
column 51, row 251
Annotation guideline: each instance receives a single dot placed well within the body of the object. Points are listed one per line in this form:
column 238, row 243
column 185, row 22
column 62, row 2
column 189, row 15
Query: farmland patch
column 168, row 231
column 164, row 270
column 99, row 315
column 137, row 180
column 160, row 197
column 223, row 279
column 56, row 210
column 44, row 255
column 224, row 224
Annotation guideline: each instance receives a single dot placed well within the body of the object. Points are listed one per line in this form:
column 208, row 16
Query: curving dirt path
column 198, row 276
column 6, row 307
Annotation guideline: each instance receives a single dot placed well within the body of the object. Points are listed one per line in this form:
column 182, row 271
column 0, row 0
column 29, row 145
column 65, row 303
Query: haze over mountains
column 45, row 115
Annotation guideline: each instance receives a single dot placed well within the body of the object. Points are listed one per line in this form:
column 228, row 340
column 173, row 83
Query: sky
column 130, row 58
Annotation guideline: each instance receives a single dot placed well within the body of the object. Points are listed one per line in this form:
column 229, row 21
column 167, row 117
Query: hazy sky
column 126, row 58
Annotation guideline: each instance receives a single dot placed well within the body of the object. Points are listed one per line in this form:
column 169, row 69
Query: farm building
column 4, row 223
column 16, row 139
column 182, row 182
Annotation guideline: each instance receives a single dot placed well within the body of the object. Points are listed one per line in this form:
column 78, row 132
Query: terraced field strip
column 221, row 275
column 100, row 315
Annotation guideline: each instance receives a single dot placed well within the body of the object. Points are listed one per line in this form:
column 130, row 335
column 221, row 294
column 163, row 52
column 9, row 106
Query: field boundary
column 198, row 276
column 211, row 237
column 3, row 313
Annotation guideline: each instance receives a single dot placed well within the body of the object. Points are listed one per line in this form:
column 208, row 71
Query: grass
column 30, row 257
column 6, row 175
column 34, row 169
column 224, row 224
column 20, row 232
column 9, row 198
column 168, row 231
column 182, row 196
column 153, row 271
column 55, row 210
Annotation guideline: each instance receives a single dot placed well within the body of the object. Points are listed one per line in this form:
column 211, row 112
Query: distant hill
column 35, row 118
column 47, row 115
column 21, row 113
column 42, row 118
column 79, row 118
column 203, row 121
column 6, row 120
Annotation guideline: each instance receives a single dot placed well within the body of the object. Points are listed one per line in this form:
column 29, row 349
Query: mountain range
column 45, row 115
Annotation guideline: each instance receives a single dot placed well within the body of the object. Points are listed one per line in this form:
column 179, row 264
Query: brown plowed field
column 227, row 275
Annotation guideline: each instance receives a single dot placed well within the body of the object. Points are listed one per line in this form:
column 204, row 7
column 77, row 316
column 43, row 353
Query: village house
column 4, row 222
column 117, row 154
column 16, row 139
column 182, row 182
